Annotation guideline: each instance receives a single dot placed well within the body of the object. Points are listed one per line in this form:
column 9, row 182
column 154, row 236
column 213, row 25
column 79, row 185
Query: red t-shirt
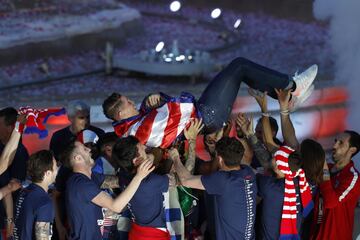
column 337, row 202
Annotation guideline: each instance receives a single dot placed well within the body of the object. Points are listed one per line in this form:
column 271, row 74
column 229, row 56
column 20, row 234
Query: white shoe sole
column 314, row 70
column 300, row 100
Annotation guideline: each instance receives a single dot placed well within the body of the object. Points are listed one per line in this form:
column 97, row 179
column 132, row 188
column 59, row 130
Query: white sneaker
column 296, row 102
column 304, row 80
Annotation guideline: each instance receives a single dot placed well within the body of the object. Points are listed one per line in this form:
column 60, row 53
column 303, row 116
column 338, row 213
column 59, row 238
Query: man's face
column 127, row 107
column 141, row 150
column 85, row 153
column 5, row 131
column 341, row 147
column 80, row 121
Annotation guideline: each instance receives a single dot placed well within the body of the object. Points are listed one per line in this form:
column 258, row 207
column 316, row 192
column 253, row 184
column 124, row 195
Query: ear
column 47, row 173
column 119, row 115
column 352, row 150
column 77, row 158
column 221, row 161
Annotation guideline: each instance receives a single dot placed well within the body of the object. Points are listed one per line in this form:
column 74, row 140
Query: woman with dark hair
column 313, row 156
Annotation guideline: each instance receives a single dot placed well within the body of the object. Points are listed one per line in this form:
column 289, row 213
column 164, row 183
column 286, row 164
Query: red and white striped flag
column 161, row 126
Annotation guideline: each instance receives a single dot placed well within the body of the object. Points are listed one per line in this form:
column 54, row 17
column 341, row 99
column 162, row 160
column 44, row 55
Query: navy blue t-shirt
column 146, row 206
column 84, row 216
column 33, row 205
column 234, row 202
column 271, row 190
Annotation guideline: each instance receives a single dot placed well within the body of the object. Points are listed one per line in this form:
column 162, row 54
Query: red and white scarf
column 288, row 229
column 36, row 118
column 161, row 126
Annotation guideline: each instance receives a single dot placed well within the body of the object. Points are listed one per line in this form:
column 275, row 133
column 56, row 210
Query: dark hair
column 38, row 164
column 354, row 140
column 124, row 152
column 106, row 139
column 313, row 156
column 66, row 154
column 10, row 114
column 231, row 151
column 111, row 104
column 295, row 161
column 273, row 124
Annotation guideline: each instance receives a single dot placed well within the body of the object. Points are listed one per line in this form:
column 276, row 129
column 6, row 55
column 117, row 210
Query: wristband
column 285, row 112
column 265, row 114
column 19, row 127
column 9, row 220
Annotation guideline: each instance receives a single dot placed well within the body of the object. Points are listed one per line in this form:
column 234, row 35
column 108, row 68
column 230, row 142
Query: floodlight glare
column 216, row 13
column 237, row 23
column 159, row 46
column 175, row 6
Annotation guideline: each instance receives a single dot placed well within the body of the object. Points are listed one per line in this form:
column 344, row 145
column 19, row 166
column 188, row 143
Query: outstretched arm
column 119, row 203
column 7, row 156
column 186, row 178
column 287, row 127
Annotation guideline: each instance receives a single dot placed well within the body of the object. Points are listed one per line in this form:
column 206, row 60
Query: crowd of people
column 145, row 181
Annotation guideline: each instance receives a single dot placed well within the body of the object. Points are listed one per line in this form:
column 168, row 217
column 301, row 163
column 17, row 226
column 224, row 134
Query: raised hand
column 283, row 98
column 21, row 118
column 227, row 128
column 260, row 98
column 193, row 130
column 245, row 124
column 145, row 168
column 153, row 100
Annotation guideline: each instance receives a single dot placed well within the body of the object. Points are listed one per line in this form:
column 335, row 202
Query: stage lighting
column 175, row 6
column 216, row 13
column 237, row 23
column 159, row 47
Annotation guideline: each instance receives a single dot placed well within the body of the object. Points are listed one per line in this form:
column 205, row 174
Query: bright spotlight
column 159, row 46
column 237, row 23
column 216, row 13
column 175, row 6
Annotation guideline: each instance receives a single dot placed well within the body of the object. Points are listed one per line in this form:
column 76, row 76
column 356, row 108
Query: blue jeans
column 215, row 103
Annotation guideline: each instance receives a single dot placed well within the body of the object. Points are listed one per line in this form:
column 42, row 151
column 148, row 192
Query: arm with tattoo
column 191, row 134
column 43, row 230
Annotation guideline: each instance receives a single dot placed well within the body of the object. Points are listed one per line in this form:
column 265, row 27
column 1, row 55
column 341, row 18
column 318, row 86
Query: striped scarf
column 288, row 229
column 161, row 126
column 36, row 118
